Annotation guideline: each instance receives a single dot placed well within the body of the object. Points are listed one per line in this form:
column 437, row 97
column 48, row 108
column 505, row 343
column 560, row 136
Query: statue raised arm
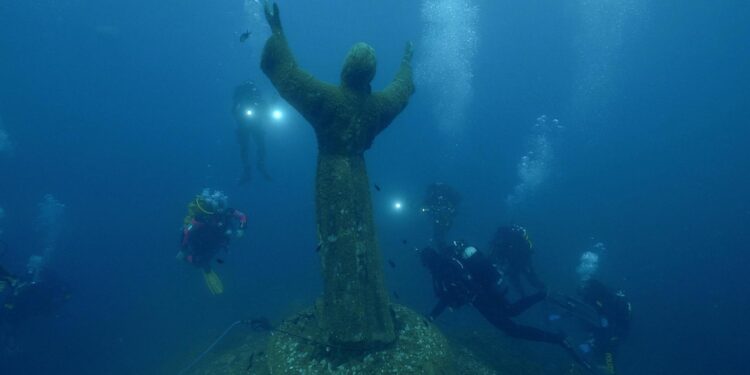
column 395, row 96
column 310, row 96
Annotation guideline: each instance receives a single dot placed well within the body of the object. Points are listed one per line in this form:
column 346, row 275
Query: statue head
column 359, row 68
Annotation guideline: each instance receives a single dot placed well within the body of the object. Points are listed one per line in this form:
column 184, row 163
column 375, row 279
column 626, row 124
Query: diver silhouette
column 248, row 110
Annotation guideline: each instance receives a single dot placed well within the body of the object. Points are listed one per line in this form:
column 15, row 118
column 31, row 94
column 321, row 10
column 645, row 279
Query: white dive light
column 277, row 114
column 397, row 205
column 249, row 113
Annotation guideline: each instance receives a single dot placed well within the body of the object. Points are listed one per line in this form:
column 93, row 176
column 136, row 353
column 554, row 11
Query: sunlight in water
column 534, row 166
column 606, row 24
column 449, row 43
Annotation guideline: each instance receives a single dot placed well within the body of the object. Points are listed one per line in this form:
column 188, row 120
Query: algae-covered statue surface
column 346, row 119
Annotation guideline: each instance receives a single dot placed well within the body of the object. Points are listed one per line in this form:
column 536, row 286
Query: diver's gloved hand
column 272, row 17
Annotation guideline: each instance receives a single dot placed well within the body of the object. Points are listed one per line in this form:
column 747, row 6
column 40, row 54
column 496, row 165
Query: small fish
column 392, row 263
column 317, row 248
column 404, row 242
column 244, row 36
column 396, row 295
column 377, row 187
column 219, row 260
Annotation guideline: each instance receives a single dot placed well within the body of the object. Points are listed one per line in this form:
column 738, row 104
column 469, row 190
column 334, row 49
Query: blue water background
column 122, row 111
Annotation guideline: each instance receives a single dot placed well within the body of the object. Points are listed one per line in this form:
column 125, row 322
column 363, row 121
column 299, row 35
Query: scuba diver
column 512, row 249
column 41, row 292
column 606, row 316
column 462, row 275
column 208, row 229
column 7, row 280
column 33, row 295
column 251, row 112
column 440, row 204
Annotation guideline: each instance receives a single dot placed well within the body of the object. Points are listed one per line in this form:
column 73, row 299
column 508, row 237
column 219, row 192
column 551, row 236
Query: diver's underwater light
column 249, row 113
column 397, row 205
column 277, row 114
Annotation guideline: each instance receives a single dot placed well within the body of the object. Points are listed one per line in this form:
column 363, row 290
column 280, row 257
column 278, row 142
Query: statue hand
column 408, row 52
column 272, row 16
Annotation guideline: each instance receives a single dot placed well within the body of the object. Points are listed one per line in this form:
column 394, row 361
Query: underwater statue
column 354, row 311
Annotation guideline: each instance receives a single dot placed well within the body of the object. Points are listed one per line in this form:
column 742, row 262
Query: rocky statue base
column 419, row 348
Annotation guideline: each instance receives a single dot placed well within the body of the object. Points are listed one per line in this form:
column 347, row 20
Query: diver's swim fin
column 577, row 308
column 262, row 169
column 246, row 177
column 577, row 357
column 213, row 282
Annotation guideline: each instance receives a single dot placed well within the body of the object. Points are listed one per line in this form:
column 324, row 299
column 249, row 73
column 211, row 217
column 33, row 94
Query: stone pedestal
column 419, row 348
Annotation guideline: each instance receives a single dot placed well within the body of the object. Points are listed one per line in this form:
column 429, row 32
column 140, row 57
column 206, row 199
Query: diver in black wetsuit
column 251, row 113
column 462, row 275
column 606, row 316
column 512, row 249
column 7, row 279
column 612, row 326
column 37, row 294
column 440, row 204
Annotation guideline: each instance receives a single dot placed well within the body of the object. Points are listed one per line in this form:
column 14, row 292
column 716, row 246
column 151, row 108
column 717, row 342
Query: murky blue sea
column 613, row 126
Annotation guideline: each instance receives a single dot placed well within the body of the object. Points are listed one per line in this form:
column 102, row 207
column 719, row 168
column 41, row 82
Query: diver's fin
column 577, row 357
column 246, row 177
column 576, row 307
column 213, row 282
column 264, row 172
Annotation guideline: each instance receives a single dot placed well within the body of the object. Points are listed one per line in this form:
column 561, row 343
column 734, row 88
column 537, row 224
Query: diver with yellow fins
column 208, row 228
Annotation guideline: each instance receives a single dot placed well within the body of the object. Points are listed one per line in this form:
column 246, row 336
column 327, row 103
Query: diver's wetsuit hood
column 359, row 68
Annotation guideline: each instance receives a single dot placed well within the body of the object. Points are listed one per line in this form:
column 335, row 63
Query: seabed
column 419, row 349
